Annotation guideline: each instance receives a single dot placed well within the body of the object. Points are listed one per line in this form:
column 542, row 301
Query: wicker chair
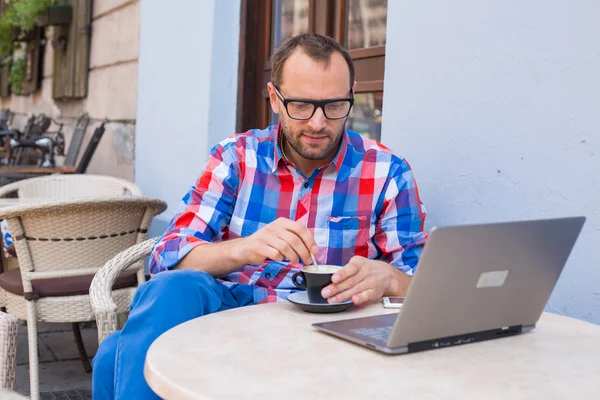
column 65, row 186
column 52, row 187
column 60, row 186
column 9, row 328
column 60, row 246
column 101, row 295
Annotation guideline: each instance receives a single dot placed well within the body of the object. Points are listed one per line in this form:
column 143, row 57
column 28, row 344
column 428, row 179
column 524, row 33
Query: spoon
column 314, row 262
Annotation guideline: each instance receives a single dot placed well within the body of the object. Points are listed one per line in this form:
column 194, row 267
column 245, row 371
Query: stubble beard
column 309, row 152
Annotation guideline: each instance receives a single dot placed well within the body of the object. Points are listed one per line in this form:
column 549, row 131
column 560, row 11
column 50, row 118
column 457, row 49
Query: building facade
column 494, row 104
column 111, row 86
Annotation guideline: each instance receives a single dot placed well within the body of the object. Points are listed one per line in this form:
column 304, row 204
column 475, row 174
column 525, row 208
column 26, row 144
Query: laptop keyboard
column 381, row 334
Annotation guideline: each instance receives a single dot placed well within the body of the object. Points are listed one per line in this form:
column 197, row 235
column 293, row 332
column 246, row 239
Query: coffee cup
column 314, row 280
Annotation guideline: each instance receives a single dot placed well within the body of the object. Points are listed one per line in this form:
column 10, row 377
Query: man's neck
column 306, row 166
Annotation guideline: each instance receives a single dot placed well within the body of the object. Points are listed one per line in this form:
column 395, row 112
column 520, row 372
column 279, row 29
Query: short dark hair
column 317, row 47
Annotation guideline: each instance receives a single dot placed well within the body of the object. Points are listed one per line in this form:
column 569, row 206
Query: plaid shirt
column 364, row 202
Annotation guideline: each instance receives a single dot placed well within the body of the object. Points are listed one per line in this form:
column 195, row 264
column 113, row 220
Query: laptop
column 472, row 283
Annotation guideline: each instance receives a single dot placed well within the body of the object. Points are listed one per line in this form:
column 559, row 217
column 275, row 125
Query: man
column 267, row 200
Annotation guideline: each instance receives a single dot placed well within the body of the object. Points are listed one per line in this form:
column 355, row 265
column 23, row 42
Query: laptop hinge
column 466, row 338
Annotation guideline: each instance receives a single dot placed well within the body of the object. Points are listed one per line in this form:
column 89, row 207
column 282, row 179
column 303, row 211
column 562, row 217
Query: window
column 360, row 25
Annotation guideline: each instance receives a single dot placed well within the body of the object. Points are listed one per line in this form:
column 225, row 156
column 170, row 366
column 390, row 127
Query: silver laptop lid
column 482, row 277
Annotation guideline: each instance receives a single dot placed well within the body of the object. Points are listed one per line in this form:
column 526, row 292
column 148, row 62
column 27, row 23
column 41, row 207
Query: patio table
column 24, row 172
column 272, row 352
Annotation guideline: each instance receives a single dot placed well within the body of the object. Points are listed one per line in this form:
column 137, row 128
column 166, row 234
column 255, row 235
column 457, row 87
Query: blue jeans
column 168, row 299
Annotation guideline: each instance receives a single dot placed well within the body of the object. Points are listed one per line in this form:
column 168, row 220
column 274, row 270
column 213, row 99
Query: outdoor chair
column 35, row 127
column 56, row 187
column 103, row 300
column 59, row 186
column 70, row 165
column 5, row 120
column 9, row 329
column 68, row 186
column 51, row 143
column 60, row 245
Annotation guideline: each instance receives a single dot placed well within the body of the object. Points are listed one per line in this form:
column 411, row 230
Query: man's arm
column 203, row 214
column 279, row 240
column 399, row 235
column 218, row 259
column 206, row 211
column 364, row 280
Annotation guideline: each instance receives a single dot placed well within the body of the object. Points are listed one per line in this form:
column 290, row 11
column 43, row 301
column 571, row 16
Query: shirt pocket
column 348, row 236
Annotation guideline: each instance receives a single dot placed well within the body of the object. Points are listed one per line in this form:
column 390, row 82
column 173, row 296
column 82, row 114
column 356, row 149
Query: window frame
column 326, row 17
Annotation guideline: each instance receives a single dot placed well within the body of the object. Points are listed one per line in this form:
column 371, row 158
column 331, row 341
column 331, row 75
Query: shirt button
column 268, row 275
column 306, row 185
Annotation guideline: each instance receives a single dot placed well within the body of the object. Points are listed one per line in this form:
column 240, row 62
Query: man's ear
column 353, row 94
column 273, row 99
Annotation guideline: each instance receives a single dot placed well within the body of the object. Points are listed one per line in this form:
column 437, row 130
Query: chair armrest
column 10, row 132
column 101, row 287
column 9, row 188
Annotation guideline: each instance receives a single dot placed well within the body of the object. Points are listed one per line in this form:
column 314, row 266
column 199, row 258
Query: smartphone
column 393, row 301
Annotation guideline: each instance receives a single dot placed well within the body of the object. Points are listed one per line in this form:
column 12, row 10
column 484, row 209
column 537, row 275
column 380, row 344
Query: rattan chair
column 9, row 329
column 101, row 295
column 60, row 246
column 60, row 186
column 67, row 186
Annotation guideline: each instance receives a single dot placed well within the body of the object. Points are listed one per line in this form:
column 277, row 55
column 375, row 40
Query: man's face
column 317, row 138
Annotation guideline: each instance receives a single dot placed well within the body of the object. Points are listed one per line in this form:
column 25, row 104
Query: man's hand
column 364, row 280
column 281, row 239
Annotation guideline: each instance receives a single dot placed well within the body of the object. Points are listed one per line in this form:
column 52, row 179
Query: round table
column 271, row 352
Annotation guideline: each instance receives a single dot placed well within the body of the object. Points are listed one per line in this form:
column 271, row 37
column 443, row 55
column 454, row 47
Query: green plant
column 16, row 74
column 23, row 13
column 6, row 37
column 19, row 17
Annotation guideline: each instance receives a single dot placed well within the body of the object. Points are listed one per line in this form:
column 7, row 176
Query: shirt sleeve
column 400, row 231
column 204, row 212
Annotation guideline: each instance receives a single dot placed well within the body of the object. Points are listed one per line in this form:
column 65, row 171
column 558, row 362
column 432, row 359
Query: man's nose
column 318, row 120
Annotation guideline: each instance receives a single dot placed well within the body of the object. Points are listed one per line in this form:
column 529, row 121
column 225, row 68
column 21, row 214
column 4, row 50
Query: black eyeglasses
column 305, row 109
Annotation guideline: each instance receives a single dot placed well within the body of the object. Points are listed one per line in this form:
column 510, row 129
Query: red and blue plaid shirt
column 364, row 202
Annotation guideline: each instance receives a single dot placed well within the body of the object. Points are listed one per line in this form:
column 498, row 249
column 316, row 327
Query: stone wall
column 112, row 88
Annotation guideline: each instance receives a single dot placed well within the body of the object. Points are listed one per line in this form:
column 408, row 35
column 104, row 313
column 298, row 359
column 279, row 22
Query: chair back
column 34, row 128
column 5, row 117
column 79, row 234
column 71, row 186
column 76, row 139
column 90, row 149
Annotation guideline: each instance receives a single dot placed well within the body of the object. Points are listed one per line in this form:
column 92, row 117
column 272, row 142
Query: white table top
column 272, row 352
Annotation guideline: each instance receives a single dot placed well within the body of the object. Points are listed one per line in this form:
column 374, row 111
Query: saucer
column 300, row 299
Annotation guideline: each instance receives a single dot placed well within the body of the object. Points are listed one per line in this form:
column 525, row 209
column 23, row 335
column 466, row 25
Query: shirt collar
column 278, row 156
column 337, row 160
column 339, row 157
